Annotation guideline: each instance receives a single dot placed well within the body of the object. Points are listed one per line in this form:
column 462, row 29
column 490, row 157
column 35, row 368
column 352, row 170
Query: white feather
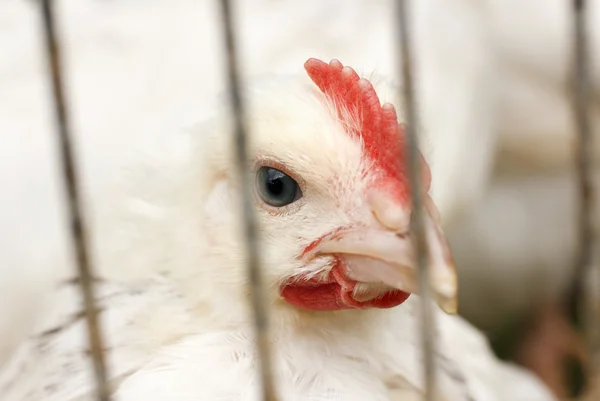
column 176, row 296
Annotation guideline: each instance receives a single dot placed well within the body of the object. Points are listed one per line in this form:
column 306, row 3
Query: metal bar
column 584, row 165
column 418, row 226
column 257, row 291
column 76, row 216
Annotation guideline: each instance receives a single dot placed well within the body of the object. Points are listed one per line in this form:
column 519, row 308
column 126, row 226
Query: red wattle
column 335, row 293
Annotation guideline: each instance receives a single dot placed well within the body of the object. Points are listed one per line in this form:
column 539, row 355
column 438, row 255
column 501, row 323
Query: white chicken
column 333, row 208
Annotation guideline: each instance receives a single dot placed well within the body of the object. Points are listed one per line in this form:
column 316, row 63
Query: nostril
column 390, row 213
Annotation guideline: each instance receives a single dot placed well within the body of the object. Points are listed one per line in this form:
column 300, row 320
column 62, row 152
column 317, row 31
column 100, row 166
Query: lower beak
column 380, row 256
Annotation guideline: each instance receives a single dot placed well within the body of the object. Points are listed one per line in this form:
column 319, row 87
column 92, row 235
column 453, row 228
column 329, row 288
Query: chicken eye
column 276, row 188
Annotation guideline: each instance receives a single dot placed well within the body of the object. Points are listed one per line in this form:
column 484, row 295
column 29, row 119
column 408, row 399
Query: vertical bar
column 249, row 222
column 418, row 227
column 76, row 217
column 584, row 165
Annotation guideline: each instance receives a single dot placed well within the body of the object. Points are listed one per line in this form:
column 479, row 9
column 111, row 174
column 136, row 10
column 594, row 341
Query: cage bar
column 250, row 230
column 584, row 153
column 75, row 210
column 586, row 257
column 427, row 317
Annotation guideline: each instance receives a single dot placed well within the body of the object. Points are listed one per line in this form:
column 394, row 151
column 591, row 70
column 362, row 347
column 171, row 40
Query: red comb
column 356, row 102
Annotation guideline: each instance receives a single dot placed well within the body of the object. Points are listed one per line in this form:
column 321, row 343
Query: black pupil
column 276, row 188
column 275, row 183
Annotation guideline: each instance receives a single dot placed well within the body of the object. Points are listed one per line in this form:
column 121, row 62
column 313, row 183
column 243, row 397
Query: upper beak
column 377, row 255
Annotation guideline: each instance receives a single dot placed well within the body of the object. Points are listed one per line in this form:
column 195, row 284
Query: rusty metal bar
column 257, row 291
column 418, row 225
column 585, row 262
column 76, row 215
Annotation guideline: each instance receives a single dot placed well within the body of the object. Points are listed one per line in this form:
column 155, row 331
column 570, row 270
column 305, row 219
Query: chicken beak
column 375, row 255
column 442, row 277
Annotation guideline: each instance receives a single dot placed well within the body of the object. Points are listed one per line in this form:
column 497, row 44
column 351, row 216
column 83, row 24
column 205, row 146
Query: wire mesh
column 75, row 211
column 581, row 84
column 427, row 320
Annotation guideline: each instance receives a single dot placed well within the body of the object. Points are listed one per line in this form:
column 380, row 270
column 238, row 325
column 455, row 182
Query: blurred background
column 495, row 103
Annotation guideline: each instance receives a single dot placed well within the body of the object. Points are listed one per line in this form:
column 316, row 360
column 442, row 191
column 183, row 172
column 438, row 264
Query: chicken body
column 174, row 288
column 161, row 349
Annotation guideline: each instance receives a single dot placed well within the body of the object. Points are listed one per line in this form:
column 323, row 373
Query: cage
column 586, row 262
